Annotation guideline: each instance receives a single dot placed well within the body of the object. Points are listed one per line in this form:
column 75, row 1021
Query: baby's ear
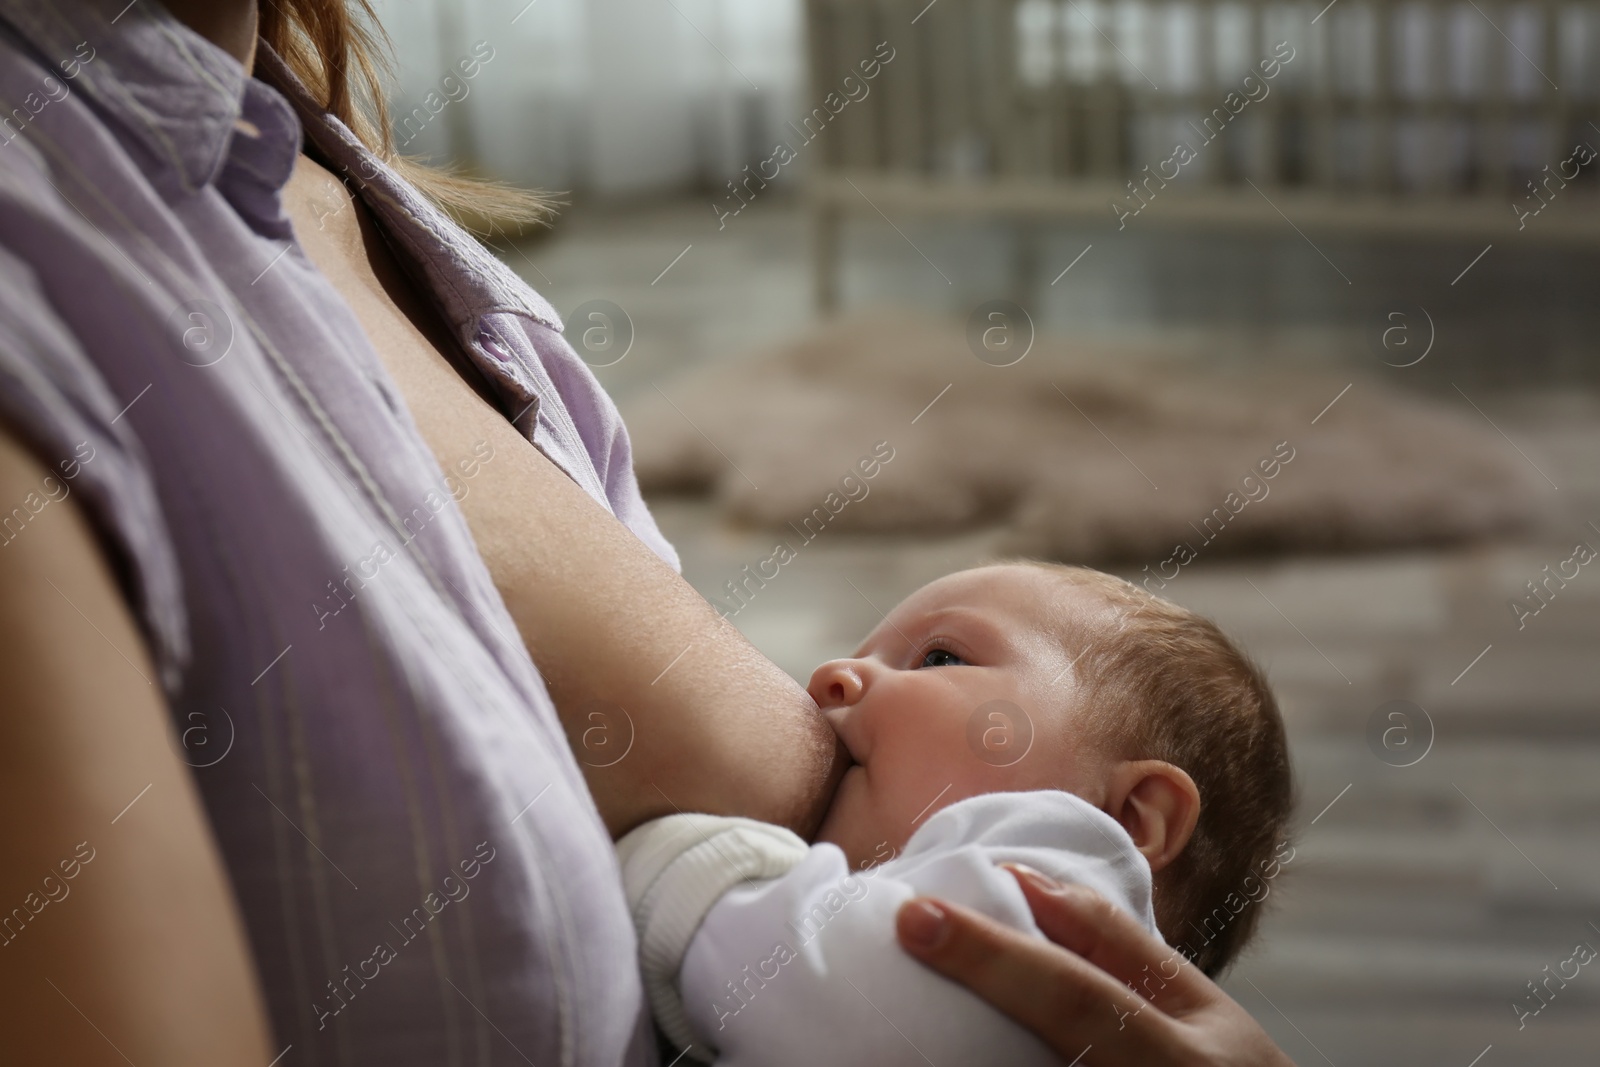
column 1158, row 804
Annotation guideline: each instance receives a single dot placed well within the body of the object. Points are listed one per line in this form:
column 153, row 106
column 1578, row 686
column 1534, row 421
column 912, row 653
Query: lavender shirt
column 424, row 877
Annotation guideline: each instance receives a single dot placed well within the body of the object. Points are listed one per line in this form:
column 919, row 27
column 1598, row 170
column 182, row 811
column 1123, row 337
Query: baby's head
column 1024, row 675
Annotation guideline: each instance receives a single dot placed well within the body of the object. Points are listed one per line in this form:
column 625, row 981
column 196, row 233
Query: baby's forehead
column 1017, row 596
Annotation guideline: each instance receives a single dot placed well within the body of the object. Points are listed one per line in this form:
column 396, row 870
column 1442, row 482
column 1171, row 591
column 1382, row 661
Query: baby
column 1023, row 712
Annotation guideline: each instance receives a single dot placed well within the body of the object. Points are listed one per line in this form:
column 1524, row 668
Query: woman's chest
column 455, row 409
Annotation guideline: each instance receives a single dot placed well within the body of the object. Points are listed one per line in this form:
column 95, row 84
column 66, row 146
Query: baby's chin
column 849, row 821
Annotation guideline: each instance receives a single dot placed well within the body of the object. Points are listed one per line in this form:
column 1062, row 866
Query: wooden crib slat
column 1102, row 97
column 826, row 216
column 1175, row 102
column 1067, row 142
column 1496, row 113
column 1322, row 150
column 1379, row 109
column 1267, row 114
column 992, row 61
column 1207, row 80
column 949, row 91
column 820, row 50
column 856, row 129
column 1554, row 102
column 1436, row 105
column 905, row 105
column 1039, row 107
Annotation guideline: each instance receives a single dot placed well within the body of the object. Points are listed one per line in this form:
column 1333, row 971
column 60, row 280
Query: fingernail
column 923, row 923
column 1041, row 882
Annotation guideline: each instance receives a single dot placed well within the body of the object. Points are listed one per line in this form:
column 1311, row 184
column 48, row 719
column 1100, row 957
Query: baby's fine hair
column 1167, row 684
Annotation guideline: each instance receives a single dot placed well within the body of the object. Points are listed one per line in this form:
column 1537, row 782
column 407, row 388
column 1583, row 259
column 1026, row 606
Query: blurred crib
column 1422, row 117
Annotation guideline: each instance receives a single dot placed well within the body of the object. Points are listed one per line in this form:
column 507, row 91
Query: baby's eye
column 940, row 657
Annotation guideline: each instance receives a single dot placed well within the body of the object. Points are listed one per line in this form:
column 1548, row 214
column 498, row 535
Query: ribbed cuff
column 673, row 870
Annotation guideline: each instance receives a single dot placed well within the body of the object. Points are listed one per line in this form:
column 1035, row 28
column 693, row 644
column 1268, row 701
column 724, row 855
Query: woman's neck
column 228, row 24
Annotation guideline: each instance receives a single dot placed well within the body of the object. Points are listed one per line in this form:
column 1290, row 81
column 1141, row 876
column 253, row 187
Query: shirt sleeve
column 580, row 423
column 597, row 422
column 806, row 969
column 54, row 400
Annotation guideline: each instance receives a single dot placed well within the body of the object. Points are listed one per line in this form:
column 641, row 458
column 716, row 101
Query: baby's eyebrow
column 968, row 618
column 866, row 645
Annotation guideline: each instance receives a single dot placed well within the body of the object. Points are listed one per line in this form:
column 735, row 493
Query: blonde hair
column 1171, row 686
column 339, row 49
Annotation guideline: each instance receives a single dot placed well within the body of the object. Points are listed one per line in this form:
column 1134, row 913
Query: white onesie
column 759, row 950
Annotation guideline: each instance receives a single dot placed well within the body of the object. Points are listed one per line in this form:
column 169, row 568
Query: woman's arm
column 1109, row 995
column 119, row 939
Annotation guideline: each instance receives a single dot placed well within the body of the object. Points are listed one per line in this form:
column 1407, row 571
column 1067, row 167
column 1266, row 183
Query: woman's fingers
column 1081, row 920
column 1073, row 991
column 1069, row 1003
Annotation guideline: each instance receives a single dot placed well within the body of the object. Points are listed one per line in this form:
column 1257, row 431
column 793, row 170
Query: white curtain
column 606, row 96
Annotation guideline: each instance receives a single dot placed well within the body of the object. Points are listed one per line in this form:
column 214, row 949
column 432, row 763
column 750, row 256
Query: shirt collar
column 177, row 96
column 470, row 280
column 173, row 93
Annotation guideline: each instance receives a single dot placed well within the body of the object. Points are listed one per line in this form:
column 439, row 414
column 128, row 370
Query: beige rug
column 1084, row 452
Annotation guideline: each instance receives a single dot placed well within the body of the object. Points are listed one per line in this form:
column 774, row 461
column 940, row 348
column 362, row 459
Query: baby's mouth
column 842, row 720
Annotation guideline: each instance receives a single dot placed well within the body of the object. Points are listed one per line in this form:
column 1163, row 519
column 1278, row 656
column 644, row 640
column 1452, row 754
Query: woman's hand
column 1111, row 994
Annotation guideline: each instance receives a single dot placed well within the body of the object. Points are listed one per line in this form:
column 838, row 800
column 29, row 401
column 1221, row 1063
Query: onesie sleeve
column 805, row 969
column 673, row 870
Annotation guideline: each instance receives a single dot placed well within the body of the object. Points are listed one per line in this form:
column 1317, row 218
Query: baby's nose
column 837, row 683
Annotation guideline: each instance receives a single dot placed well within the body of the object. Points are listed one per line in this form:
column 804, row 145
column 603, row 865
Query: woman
column 302, row 472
